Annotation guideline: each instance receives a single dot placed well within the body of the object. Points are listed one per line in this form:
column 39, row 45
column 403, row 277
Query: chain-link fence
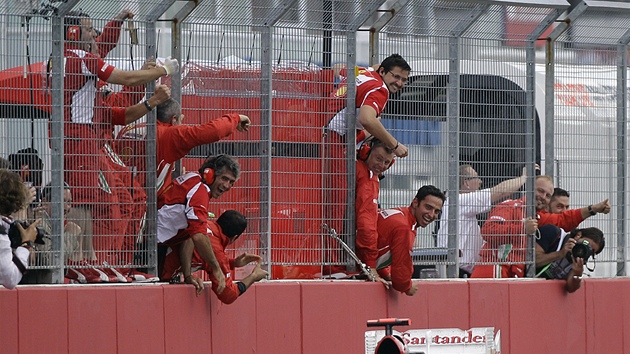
column 496, row 87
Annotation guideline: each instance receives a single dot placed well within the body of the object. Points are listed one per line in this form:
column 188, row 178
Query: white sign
column 478, row 340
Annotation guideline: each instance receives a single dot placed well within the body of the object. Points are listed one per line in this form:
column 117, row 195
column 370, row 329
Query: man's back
column 470, row 240
column 183, row 205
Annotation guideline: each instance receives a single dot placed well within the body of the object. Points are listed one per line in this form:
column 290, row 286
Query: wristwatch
column 591, row 211
column 27, row 244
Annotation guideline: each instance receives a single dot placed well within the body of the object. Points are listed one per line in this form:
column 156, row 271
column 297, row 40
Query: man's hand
column 401, row 150
column 243, row 125
column 72, row 228
column 568, row 246
column 196, row 282
column 171, row 66
column 149, row 64
column 245, row 259
column 578, row 266
column 531, row 225
column 124, row 14
column 32, row 194
column 602, row 207
column 378, row 278
column 258, row 273
column 162, row 93
column 413, row 289
column 31, row 231
column 220, row 277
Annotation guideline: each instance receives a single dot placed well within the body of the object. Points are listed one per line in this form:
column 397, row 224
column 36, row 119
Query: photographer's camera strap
column 19, row 264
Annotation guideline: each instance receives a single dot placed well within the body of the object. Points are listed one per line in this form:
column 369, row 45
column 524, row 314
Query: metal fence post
column 151, row 214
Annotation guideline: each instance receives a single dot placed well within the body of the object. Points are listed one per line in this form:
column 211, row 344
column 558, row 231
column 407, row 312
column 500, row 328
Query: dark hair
column 220, row 164
column 374, row 143
column 559, row 192
column 13, row 194
column 73, row 18
column 424, row 191
column 4, row 163
column 167, row 109
column 392, row 61
column 48, row 189
column 28, row 164
column 232, row 223
column 594, row 234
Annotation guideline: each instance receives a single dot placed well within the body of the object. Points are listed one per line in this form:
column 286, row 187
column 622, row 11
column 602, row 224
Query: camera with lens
column 16, row 237
column 582, row 249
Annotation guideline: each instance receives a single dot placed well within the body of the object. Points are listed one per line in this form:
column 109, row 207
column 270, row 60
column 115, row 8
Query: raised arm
column 506, row 188
column 369, row 120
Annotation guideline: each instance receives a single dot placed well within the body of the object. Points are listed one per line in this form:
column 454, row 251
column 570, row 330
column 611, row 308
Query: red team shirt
column 182, row 209
column 371, row 90
column 396, row 236
column 505, row 239
column 82, row 72
column 366, row 207
column 175, row 141
column 172, row 265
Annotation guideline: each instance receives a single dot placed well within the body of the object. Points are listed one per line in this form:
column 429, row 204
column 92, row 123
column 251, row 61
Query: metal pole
column 150, row 148
column 56, row 140
column 452, row 118
column 266, row 100
column 622, row 150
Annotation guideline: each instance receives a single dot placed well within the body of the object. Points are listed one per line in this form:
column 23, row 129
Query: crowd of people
column 105, row 200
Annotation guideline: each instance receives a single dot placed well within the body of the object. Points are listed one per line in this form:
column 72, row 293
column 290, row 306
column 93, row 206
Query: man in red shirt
column 505, row 232
column 87, row 169
column 373, row 158
column 373, row 88
column 397, row 235
column 183, row 211
column 175, row 140
column 223, row 232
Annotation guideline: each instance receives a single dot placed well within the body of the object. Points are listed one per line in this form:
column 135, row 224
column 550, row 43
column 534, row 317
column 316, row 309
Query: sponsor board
column 478, row 340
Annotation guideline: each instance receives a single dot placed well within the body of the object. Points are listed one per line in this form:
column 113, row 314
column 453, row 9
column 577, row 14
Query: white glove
column 171, row 66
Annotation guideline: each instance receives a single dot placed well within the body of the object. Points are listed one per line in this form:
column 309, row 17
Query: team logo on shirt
column 341, row 91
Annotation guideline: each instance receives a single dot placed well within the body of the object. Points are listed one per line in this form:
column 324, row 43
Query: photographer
column 562, row 255
column 14, row 197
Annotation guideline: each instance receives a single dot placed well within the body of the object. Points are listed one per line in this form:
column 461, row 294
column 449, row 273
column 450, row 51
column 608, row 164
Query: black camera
column 582, row 249
column 16, row 237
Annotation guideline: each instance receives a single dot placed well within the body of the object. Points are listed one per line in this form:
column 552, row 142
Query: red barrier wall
column 534, row 316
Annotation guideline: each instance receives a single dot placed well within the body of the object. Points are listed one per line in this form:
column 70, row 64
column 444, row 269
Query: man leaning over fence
column 563, row 255
column 183, row 211
column 397, row 233
column 373, row 158
column 222, row 232
column 505, row 232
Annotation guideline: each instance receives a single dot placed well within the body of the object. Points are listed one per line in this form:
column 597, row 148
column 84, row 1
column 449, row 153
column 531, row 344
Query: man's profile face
column 427, row 210
column 559, row 204
column 223, row 182
column 87, row 32
column 472, row 182
column 379, row 160
column 67, row 202
column 395, row 79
